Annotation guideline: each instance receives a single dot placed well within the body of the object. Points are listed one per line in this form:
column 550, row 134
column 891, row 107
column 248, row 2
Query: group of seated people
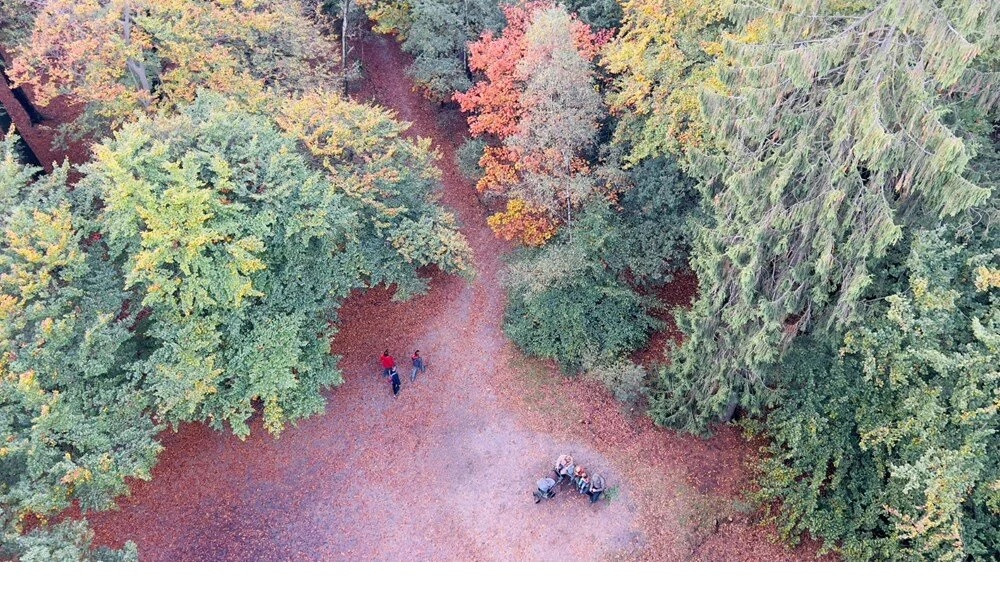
column 567, row 470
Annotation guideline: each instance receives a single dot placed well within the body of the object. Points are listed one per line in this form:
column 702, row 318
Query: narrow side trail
column 445, row 471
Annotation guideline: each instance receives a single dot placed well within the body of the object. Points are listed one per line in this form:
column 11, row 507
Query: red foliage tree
column 494, row 104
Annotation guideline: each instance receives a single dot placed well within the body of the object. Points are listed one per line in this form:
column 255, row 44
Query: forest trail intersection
column 446, row 471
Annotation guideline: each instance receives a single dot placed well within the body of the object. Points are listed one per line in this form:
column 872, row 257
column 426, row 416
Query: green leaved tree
column 599, row 14
column 438, row 39
column 437, row 34
column 16, row 19
column 565, row 303
column 241, row 250
column 193, row 274
column 392, row 180
column 665, row 53
column 119, row 57
column 72, row 424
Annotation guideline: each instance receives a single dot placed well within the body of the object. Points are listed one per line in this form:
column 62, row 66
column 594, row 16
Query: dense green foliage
column 599, row 14
column 438, row 39
column 601, row 232
column 237, row 247
column 68, row 541
column 437, row 33
column 654, row 223
column 467, row 158
column 566, row 304
column 888, row 446
column 72, row 425
column 192, row 275
column 391, row 180
column 828, row 169
column 574, row 300
column 16, row 19
column 845, row 252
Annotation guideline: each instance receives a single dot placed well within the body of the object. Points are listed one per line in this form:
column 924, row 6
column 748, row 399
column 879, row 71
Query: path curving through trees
column 446, row 471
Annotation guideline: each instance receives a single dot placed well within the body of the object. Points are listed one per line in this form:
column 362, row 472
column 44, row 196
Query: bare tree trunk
column 569, row 201
column 346, row 8
column 730, row 411
column 137, row 69
column 465, row 32
column 34, row 114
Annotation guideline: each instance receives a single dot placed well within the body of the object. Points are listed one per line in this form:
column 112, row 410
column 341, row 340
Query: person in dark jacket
column 596, row 488
column 395, row 382
column 418, row 365
column 546, row 489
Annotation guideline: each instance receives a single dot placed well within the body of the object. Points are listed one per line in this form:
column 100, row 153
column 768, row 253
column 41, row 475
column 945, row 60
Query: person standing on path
column 388, row 363
column 395, row 382
column 581, row 479
column 418, row 365
column 596, row 488
column 564, row 468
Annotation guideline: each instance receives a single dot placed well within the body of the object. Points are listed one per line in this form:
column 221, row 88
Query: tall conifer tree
column 839, row 134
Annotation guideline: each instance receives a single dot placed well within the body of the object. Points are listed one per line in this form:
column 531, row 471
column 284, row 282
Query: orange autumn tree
column 532, row 226
column 538, row 107
column 117, row 57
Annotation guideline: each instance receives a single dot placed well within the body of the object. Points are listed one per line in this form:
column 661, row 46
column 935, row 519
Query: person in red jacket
column 388, row 363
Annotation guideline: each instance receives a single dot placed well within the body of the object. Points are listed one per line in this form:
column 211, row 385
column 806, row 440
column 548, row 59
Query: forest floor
column 42, row 138
column 446, row 471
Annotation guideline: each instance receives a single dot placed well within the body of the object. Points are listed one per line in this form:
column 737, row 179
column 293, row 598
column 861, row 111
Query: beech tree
column 241, row 250
column 393, row 181
column 836, row 139
column 120, row 56
column 72, row 425
column 230, row 240
column 193, row 274
column 666, row 52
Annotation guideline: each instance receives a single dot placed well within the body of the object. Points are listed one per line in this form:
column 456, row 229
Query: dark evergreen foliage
column 655, row 223
column 599, row 14
column 566, row 303
column 886, row 448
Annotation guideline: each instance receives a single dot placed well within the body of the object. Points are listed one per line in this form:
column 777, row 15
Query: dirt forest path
column 444, row 472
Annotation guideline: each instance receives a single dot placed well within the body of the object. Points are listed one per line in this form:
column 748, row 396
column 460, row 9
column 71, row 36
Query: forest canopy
column 825, row 171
